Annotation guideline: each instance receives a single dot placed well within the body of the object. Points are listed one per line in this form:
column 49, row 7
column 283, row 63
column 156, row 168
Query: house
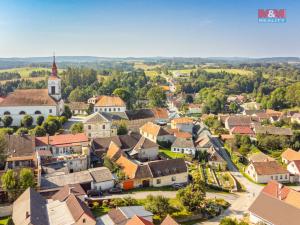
column 67, row 190
column 34, row 102
column 161, row 115
column 239, row 99
column 78, row 108
column 237, row 120
column 62, row 144
column 99, row 125
column 126, row 142
column 215, row 160
column 155, row 133
column 290, row 155
column 296, row 118
column 282, row 204
column 263, row 172
column 253, row 112
column 242, row 130
column 183, row 145
column 145, row 149
column 260, row 157
column 184, row 124
column 194, row 108
column 21, row 152
column 139, row 117
column 123, row 215
column 50, row 181
column 271, row 130
column 251, row 105
column 102, row 178
column 180, row 134
column 204, row 142
column 294, row 169
column 32, row 208
column 168, row 172
column 154, row 173
column 109, row 104
column 137, row 220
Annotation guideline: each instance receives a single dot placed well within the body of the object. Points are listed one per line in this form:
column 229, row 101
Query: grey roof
column 260, row 157
column 144, row 143
column 101, row 174
column 32, row 204
column 96, row 118
column 238, row 120
column 115, row 115
column 19, row 146
column 273, row 130
column 140, row 114
column 253, row 111
column 183, row 143
column 130, row 211
column 143, row 171
column 62, row 180
column 167, row 167
column 275, row 211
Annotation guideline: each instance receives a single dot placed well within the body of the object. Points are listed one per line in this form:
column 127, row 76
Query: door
column 146, row 183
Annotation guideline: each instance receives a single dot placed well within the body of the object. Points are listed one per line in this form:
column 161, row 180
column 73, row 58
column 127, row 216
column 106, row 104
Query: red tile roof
column 137, row 220
column 62, row 139
column 242, row 130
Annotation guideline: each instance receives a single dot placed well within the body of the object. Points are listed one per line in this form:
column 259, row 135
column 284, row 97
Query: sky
column 147, row 28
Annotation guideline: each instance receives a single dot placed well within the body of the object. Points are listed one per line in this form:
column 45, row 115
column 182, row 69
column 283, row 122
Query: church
column 34, row 102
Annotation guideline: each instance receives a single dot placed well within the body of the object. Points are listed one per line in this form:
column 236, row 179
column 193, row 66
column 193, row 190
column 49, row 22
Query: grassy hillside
column 25, row 71
column 232, row 71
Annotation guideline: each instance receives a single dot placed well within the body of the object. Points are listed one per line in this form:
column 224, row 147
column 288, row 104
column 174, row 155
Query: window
column 52, row 90
column 158, row 181
column 90, row 135
column 280, row 177
column 89, row 127
column 271, row 177
column 84, row 220
column 276, row 177
column 6, row 113
column 22, row 113
column 103, row 127
column 119, row 109
column 105, row 109
column 173, row 178
column 109, row 109
column 50, row 110
column 37, row 112
column 286, row 176
column 114, row 109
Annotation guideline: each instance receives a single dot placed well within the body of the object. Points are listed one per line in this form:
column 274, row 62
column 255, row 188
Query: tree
column 26, row 179
column 157, row 97
column 10, row 184
column 189, row 99
column 122, row 128
column 233, row 107
column 193, row 195
column 22, row 131
column 67, row 112
column 232, row 221
column 27, row 121
column 3, row 148
column 158, row 205
column 7, row 121
column 90, row 109
column 124, row 95
column 76, row 128
column 38, row 131
column 39, row 120
column 50, row 127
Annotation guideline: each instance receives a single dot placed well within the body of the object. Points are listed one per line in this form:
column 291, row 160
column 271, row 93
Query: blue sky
column 121, row 28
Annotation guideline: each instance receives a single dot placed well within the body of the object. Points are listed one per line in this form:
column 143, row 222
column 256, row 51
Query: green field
column 170, row 154
column 185, row 71
column 232, row 71
column 25, row 71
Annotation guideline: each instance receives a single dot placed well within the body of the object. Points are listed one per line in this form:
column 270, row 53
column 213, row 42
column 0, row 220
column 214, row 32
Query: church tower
column 54, row 83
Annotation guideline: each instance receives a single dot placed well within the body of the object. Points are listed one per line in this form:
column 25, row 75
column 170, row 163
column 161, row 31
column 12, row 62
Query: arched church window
column 6, row 113
column 22, row 113
column 37, row 112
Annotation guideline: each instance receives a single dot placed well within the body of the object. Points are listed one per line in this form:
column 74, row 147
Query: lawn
column 25, row 71
column 172, row 155
column 232, row 71
column 100, row 211
column 4, row 220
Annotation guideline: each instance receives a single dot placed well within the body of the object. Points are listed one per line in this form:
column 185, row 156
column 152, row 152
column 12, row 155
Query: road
column 241, row 204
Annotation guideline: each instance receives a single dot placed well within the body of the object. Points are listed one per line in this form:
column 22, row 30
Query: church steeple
column 54, row 67
column 54, row 83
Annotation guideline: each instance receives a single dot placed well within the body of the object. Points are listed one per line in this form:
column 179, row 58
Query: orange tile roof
column 269, row 168
column 169, row 221
column 62, row 139
column 128, row 166
column 160, row 113
column 242, row 130
column 153, row 129
column 182, row 120
column 180, row 134
column 137, row 220
column 113, row 149
column 106, row 101
column 272, row 112
column 290, row 155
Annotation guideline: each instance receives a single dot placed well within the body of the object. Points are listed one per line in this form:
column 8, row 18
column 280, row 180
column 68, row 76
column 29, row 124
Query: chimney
column 70, row 190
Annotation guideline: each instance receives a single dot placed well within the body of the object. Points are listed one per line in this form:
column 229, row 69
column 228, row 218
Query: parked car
column 178, row 186
column 94, row 193
column 115, row 190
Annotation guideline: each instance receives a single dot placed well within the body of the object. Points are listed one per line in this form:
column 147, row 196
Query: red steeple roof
column 54, row 70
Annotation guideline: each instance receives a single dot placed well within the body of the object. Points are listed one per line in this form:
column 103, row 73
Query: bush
column 27, row 121
column 22, row 131
column 39, row 120
column 7, row 121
